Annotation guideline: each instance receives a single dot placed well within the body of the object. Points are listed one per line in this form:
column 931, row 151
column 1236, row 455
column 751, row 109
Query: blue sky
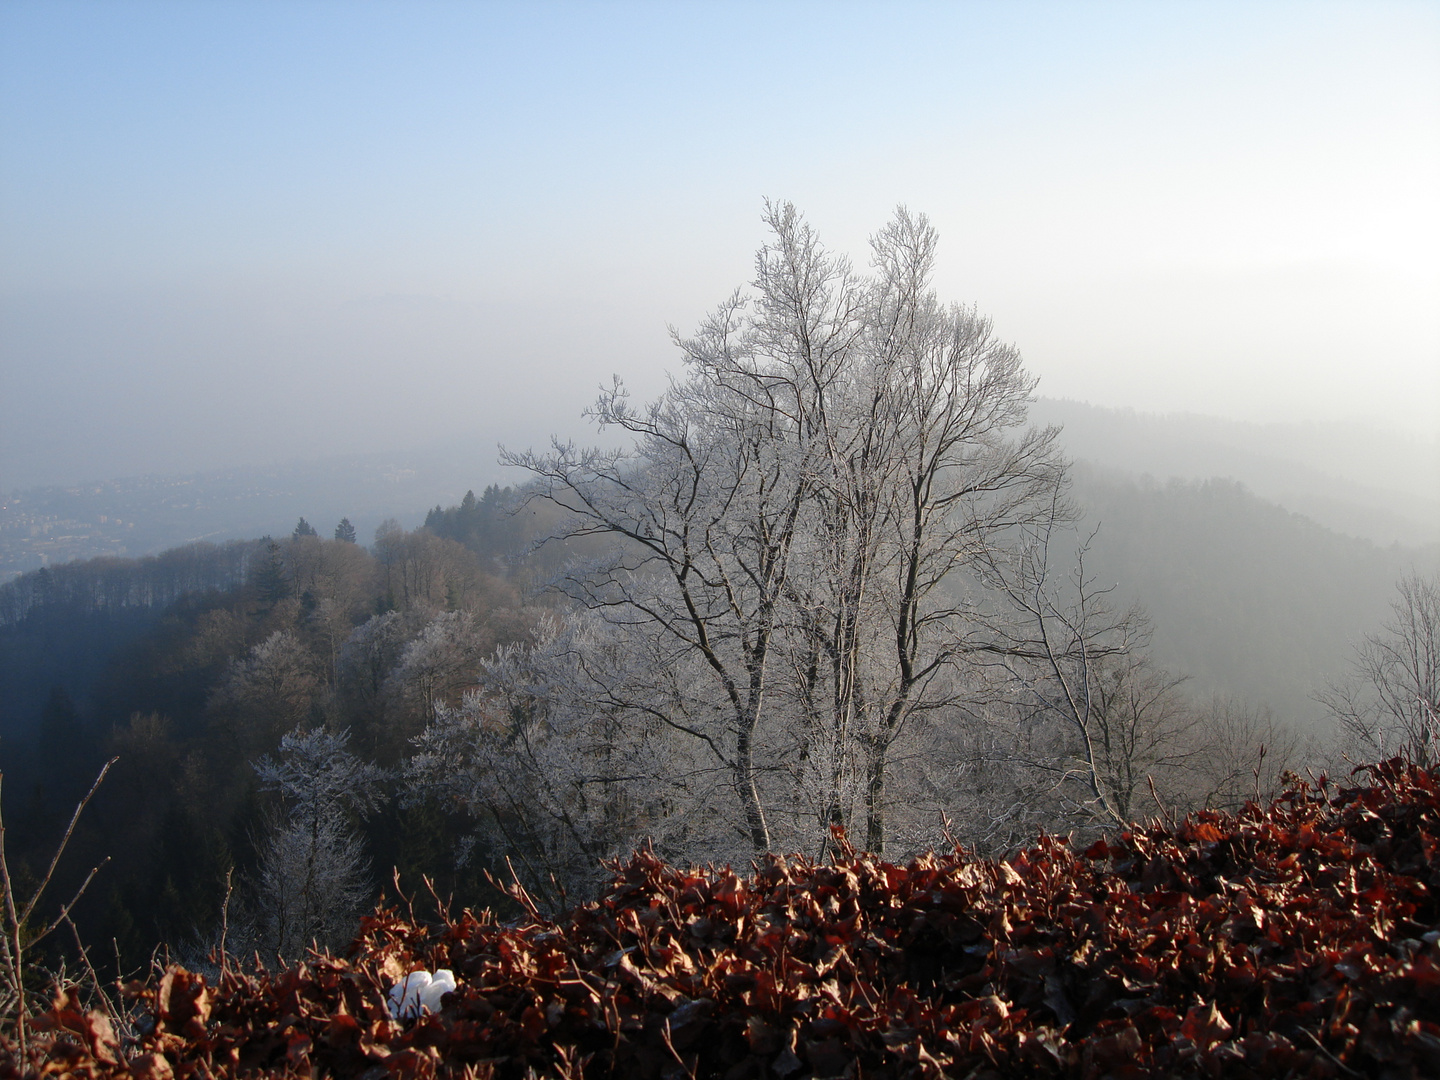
column 245, row 232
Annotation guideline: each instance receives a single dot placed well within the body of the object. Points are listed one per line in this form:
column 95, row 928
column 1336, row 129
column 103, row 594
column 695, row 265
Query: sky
column 236, row 233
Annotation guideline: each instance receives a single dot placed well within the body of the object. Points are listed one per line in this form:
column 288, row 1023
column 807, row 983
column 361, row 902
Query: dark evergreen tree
column 63, row 749
column 267, row 575
column 345, row 531
column 483, row 525
column 44, row 586
column 303, row 528
column 468, row 516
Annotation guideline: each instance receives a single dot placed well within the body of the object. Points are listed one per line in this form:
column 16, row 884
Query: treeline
column 348, row 709
column 111, row 582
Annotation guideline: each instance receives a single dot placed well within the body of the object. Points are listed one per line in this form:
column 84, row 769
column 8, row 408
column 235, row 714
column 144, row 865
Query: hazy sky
column 243, row 232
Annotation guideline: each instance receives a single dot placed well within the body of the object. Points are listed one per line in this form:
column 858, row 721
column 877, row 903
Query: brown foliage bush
column 1300, row 940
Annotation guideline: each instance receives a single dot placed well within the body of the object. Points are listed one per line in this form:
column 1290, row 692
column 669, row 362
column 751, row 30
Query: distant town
column 137, row 516
column 46, row 526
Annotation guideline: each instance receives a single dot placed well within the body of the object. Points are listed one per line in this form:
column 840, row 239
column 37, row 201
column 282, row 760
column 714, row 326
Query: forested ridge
column 830, row 584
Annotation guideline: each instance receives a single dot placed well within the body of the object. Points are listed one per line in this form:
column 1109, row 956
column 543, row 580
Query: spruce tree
column 267, row 575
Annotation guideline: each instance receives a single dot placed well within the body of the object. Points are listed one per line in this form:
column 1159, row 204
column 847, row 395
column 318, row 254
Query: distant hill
column 1249, row 599
column 1261, row 551
column 1360, row 481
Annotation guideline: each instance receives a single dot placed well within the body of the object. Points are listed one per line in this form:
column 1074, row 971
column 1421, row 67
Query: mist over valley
column 975, row 466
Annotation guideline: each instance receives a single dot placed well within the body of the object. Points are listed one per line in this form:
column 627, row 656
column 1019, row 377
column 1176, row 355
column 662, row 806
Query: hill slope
column 1250, row 600
column 1358, row 481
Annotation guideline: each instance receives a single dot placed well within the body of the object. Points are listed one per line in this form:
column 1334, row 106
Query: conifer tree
column 267, row 574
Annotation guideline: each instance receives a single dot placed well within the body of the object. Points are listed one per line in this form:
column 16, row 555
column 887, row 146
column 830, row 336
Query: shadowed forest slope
column 1252, row 601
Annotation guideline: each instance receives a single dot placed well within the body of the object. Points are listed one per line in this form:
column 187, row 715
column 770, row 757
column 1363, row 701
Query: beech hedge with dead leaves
column 1296, row 940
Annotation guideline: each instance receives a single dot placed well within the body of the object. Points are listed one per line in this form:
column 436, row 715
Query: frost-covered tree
column 438, row 662
column 271, row 689
column 369, row 653
column 784, row 516
column 553, row 774
column 1391, row 703
column 932, row 467
column 313, row 875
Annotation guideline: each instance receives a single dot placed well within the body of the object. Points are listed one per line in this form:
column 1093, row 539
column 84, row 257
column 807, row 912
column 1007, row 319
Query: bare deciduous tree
column 707, row 507
column 313, row 876
column 817, row 588
column 1240, row 755
column 1391, row 703
column 937, row 467
column 786, row 513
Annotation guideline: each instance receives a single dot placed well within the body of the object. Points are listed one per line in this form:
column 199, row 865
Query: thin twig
column 1324, row 1050
column 400, row 893
column 519, row 893
column 1259, row 764
column 225, row 924
column 14, row 947
column 665, row 1034
column 1156, row 796
column 110, row 1010
column 14, row 931
column 442, row 907
column 69, row 831
column 947, row 830
column 65, row 911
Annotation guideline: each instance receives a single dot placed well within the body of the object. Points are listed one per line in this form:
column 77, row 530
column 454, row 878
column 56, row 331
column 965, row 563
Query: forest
column 830, row 584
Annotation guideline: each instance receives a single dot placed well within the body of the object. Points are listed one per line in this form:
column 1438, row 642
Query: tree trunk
column 749, row 794
column 875, row 797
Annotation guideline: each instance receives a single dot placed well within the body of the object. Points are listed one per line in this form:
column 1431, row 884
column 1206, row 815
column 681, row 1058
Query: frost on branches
column 821, row 580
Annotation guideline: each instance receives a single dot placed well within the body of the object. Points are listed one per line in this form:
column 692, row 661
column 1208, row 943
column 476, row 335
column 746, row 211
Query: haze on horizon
column 236, row 233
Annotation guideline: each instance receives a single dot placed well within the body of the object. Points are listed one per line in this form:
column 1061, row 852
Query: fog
column 277, row 279
column 239, row 234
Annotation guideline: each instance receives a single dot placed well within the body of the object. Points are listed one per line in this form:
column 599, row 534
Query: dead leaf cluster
column 1295, row 940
